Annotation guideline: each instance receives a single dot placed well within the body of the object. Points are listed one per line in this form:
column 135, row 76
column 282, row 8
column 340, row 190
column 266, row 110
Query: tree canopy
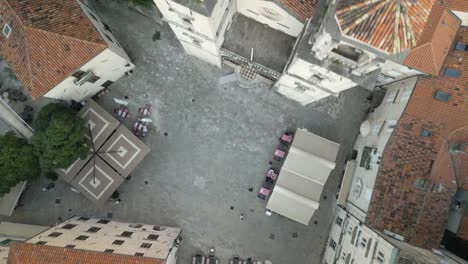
column 59, row 137
column 17, row 162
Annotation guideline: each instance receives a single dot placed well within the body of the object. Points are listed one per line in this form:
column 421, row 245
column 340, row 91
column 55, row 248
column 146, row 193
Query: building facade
column 112, row 237
column 408, row 182
column 424, row 167
column 201, row 26
column 310, row 55
column 67, row 53
column 353, row 242
column 358, row 183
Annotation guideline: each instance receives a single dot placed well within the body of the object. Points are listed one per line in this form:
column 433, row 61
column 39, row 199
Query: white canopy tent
column 305, row 171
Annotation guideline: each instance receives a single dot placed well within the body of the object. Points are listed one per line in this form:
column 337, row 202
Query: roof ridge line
column 28, row 52
column 66, row 36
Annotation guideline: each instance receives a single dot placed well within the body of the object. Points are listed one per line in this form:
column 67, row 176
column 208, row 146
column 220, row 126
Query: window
column 391, row 124
column 82, row 238
column 55, row 234
column 109, row 250
column 300, row 87
column 78, row 74
column 350, row 229
column 106, row 84
column 369, row 243
column 70, row 246
column 68, row 226
column 139, row 254
column 441, row 96
column 6, row 30
column 354, row 235
column 153, row 237
column 41, row 243
column 94, row 229
column 452, row 72
column 363, row 242
column 339, row 221
column 332, row 244
column 459, row 146
column 126, row 234
column 146, row 245
column 426, row 133
column 118, row 242
column 102, row 221
column 317, row 77
column 187, row 20
column 196, row 42
column 380, row 257
column 93, row 78
column 460, row 46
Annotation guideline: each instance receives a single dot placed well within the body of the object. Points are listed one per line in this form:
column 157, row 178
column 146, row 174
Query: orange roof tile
column 25, row 253
column 305, row 9
column 50, row 39
column 429, row 55
column 391, row 26
column 419, row 213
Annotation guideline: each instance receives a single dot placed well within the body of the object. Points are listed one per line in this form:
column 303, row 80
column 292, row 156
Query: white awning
column 305, row 171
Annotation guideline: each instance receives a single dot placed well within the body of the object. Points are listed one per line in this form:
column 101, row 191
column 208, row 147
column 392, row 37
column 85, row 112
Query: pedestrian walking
column 242, row 217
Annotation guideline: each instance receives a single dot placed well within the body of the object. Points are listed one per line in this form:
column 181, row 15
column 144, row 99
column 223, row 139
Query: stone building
column 60, row 48
column 309, row 54
column 410, row 185
column 89, row 240
column 424, row 169
column 375, row 132
column 255, row 37
column 352, row 242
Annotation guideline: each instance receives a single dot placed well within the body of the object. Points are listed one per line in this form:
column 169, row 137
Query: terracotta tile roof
column 25, row 253
column 50, row 39
column 437, row 38
column 415, row 187
column 390, row 25
column 305, row 9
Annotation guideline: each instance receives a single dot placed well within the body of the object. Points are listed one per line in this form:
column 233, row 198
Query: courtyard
column 212, row 145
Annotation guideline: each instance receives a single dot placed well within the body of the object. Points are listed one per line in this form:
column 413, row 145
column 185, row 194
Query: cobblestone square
column 211, row 147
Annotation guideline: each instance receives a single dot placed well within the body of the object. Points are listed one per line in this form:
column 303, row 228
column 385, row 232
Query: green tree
column 17, row 162
column 59, row 137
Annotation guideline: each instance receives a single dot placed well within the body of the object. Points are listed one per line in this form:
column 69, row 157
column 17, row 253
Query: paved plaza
column 212, row 144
